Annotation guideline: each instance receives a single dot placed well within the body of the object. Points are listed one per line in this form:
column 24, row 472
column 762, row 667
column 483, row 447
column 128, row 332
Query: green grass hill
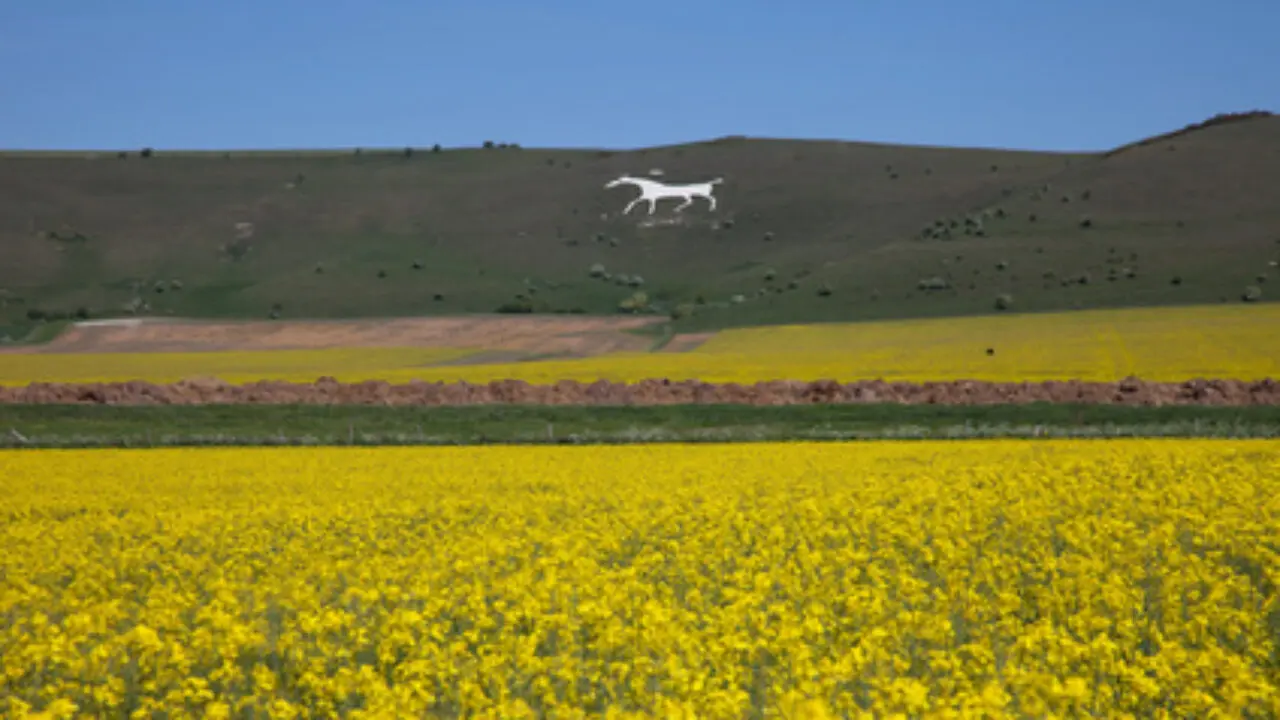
column 805, row 230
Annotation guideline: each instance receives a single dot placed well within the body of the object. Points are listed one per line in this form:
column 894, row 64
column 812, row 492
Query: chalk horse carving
column 651, row 191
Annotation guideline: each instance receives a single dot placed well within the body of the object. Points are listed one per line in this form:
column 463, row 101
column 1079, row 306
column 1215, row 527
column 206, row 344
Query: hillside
column 805, row 230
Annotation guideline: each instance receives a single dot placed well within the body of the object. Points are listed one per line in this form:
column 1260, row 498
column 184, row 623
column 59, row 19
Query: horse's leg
column 630, row 205
column 711, row 199
column 688, row 200
column 653, row 204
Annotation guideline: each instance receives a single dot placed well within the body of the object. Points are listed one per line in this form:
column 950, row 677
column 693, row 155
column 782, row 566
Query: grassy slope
column 69, row 426
column 1204, row 207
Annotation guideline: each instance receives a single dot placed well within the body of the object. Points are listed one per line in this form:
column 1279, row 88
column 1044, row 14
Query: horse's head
column 624, row 180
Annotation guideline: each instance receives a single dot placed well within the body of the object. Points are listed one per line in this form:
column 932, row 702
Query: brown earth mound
column 575, row 336
column 327, row 391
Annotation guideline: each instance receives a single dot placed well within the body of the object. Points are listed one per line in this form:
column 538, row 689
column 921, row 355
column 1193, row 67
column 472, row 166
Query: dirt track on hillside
column 542, row 335
column 328, row 391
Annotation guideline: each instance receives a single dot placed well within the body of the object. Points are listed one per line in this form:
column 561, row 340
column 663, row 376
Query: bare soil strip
column 577, row 336
column 327, row 391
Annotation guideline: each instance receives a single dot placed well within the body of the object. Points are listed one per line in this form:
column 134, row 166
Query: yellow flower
column 982, row 579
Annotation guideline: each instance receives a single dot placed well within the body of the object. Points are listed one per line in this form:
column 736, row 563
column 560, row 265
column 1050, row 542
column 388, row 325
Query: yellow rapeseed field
column 931, row 579
column 347, row 364
column 1163, row 344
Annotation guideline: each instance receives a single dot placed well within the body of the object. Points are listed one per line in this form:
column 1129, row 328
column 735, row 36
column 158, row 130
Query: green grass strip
column 55, row 426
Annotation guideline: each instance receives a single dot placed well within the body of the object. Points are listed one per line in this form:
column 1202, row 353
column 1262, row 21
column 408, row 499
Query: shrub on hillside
column 237, row 249
column 517, row 307
column 1252, row 293
column 1004, row 302
column 636, row 302
column 596, row 271
column 145, row 152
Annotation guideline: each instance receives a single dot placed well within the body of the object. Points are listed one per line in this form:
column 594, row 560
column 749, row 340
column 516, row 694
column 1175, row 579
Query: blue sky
column 1047, row 74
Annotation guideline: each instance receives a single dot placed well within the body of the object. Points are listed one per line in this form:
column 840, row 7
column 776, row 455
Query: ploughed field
column 1015, row 579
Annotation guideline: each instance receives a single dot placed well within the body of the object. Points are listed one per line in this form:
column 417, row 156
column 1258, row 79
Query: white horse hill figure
column 651, row 191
